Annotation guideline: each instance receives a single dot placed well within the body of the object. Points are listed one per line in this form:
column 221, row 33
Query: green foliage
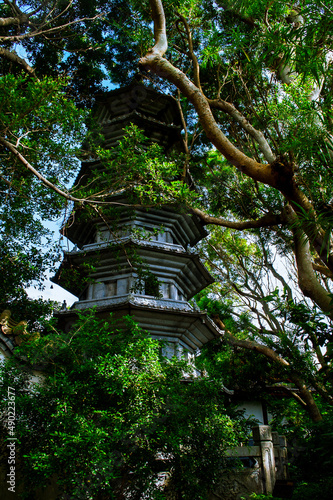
column 111, row 413
column 268, row 59
column 146, row 283
column 142, row 169
column 262, row 308
column 46, row 128
column 301, row 117
column 84, row 40
column 294, row 35
column 321, row 489
column 309, row 448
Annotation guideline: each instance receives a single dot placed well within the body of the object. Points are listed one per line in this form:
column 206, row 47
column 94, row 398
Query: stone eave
column 190, row 226
column 165, row 134
column 127, row 117
column 191, row 328
column 179, row 258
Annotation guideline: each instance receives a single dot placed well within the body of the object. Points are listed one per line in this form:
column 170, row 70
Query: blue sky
column 53, row 291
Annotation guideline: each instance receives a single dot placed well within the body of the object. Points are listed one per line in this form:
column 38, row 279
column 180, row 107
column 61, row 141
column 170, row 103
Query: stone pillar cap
column 262, row 433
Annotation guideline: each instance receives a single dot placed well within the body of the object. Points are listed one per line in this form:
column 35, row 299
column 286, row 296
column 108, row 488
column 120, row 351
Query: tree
column 280, row 173
column 54, row 57
column 64, row 37
column 40, row 128
column 257, row 310
column 255, row 78
column 111, row 414
column 257, row 54
column 271, row 63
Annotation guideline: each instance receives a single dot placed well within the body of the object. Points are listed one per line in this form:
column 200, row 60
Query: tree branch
column 64, row 194
column 153, row 61
column 250, row 344
column 276, row 275
column 279, row 174
column 158, row 17
column 307, row 279
column 257, row 135
column 39, row 176
column 47, row 183
column 323, row 270
column 196, row 67
column 41, row 31
column 267, row 220
column 11, row 56
column 10, row 21
column 261, row 172
column 269, row 353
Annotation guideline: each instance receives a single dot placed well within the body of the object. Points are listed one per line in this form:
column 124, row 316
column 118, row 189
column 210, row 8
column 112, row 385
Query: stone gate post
column 280, row 454
column 262, row 436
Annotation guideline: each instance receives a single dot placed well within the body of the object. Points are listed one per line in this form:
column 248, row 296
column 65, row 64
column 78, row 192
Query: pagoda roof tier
column 166, row 262
column 165, row 135
column 146, row 101
column 189, row 328
column 186, row 229
column 155, row 113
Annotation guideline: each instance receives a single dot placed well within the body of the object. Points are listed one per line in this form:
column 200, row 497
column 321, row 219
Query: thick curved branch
column 265, row 221
column 10, row 21
column 251, row 345
column 154, row 61
column 307, row 279
column 158, row 17
column 279, row 174
column 322, row 270
column 257, row 171
column 258, row 136
column 320, row 242
column 306, row 395
column 11, row 56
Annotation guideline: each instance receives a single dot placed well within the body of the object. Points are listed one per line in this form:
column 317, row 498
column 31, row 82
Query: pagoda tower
column 157, row 300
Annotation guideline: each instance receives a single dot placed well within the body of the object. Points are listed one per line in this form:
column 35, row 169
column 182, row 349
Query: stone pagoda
column 160, row 238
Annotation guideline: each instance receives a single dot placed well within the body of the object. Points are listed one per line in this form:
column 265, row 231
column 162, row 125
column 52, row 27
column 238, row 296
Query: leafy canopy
column 111, row 414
